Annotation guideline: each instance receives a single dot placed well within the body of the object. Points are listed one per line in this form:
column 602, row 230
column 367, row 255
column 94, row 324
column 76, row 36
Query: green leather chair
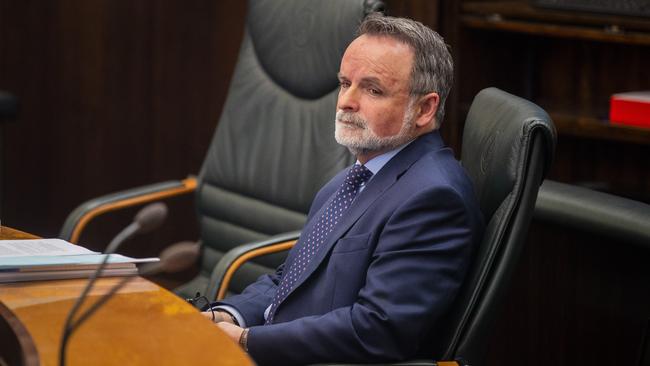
column 274, row 144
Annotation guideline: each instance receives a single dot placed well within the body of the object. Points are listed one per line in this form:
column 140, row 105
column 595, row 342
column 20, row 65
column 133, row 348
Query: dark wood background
column 115, row 94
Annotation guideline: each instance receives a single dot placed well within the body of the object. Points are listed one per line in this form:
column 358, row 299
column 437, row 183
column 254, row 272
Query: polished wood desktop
column 143, row 324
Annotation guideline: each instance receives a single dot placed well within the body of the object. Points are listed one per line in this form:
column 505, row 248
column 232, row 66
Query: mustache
column 351, row 118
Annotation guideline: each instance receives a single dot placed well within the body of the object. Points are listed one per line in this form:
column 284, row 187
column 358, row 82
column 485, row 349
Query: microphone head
column 151, row 217
column 175, row 258
column 178, row 257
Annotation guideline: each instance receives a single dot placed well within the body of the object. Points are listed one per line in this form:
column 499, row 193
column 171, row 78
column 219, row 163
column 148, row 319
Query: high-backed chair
column 274, row 145
column 508, row 146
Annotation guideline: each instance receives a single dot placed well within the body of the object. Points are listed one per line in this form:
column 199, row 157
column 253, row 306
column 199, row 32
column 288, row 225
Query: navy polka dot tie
column 308, row 247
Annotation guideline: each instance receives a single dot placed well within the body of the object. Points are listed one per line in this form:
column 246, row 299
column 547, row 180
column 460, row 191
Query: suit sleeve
column 255, row 298
column 417, row 267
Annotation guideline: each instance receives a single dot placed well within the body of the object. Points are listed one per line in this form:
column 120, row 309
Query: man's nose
column 348, row 99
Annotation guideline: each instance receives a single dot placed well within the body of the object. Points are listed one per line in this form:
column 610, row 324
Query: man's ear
column 427, row 106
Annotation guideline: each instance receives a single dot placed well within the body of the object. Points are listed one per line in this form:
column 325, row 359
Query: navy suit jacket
column 386, row 275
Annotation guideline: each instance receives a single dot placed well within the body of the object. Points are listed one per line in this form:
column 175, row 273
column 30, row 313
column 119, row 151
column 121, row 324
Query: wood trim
column 582, row 126
column 7, row 233
column 188, row 185
column 554, row 30
column 279, row 247
column 523, row 10
column 447, row 363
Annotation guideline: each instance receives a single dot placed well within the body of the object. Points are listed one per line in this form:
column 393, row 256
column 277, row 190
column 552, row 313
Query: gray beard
column 368, row 142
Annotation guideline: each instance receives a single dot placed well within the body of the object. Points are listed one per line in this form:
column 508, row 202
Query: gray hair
column 433, row 68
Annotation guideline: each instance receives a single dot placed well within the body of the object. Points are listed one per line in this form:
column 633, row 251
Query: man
column 387, row 242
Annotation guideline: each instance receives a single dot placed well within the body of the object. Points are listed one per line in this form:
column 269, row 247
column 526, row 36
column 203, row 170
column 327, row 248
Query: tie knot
column 357, row 175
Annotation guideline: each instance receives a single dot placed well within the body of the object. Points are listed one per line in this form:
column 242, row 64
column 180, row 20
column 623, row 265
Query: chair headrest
column 297, row 44
column 498, row 131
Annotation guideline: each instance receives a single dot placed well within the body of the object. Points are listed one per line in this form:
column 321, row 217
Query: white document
column 48, row 259
column 40, row 247
column 88, row 260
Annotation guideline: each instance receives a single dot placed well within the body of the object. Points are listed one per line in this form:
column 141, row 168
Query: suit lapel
column 384, row 179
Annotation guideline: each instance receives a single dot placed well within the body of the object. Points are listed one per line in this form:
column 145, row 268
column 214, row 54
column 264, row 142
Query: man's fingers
column 217, row 316
column 232, row 331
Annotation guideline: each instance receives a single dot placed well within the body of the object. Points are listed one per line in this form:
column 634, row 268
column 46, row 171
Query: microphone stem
column 128, row 231
column 73, row 325
column 121, row 237
column 67, row 331
column 67, row 328
column 82, row 318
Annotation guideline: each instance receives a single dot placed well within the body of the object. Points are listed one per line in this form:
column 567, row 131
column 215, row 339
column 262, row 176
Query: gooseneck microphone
column 174, row 258
column 147, row 219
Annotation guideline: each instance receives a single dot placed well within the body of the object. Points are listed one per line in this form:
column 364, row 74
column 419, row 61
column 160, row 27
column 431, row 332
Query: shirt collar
column 375, row 164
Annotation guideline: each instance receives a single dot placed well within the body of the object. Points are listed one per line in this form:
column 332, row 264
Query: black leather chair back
column 508, row 146
column 274, row 145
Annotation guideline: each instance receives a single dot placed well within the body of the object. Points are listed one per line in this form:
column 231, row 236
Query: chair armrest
column 236, row 257
column 595, row 212
column 84, row 213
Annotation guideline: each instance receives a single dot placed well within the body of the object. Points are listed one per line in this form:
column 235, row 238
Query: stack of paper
column 50, row 259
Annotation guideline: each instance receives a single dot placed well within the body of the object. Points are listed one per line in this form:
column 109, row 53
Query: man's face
column 374, row 113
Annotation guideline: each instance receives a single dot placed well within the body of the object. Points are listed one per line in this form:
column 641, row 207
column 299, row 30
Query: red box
column 632, row 109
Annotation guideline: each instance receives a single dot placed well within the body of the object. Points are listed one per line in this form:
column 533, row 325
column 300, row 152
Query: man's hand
column 232, row 331
column 225, row 323
column 219, row 316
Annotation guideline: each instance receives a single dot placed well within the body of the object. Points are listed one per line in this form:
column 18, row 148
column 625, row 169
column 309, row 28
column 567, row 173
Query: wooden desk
column 7, row 233
column 143, row 324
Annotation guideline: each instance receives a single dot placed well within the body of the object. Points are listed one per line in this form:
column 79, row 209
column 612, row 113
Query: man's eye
column 344, row 84
column 374, row 91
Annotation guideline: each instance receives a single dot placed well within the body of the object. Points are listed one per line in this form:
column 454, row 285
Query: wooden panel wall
column 553, row 73
column 113, row 94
